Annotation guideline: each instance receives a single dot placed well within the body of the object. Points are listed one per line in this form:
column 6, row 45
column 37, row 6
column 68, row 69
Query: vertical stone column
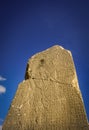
column 49, row 98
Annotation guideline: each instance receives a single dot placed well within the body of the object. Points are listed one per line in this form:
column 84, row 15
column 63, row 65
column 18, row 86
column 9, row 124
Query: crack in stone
column 50, row 79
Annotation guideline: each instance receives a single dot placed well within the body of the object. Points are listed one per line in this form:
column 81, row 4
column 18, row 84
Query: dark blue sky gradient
column 28, row 27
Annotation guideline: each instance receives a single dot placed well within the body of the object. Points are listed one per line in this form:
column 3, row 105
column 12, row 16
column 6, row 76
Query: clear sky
column 28, row 27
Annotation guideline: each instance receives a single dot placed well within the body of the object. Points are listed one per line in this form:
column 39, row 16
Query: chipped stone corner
column 61, row 47
column 69, row 52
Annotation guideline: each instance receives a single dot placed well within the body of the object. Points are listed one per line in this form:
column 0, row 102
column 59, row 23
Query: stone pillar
column 49, row 98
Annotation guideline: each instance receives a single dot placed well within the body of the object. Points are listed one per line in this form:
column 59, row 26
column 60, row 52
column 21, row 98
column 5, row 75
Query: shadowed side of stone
column 49, row 98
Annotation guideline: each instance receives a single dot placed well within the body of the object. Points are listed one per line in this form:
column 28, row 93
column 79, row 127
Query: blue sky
column 28, row 27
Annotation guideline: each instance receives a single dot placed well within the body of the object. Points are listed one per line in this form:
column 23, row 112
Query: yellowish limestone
column 49, row 98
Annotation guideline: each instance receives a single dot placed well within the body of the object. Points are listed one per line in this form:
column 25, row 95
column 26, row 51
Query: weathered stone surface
column 49, row 98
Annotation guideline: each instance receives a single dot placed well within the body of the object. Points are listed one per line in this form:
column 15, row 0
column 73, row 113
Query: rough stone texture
column 49, row 98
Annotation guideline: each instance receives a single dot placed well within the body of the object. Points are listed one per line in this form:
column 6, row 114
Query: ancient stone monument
column 49, row 98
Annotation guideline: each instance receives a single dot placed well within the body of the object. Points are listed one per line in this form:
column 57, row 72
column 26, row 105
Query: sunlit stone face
column 49, row 98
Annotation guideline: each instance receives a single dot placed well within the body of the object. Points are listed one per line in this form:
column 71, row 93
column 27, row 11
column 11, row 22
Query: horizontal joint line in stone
column 51, row 79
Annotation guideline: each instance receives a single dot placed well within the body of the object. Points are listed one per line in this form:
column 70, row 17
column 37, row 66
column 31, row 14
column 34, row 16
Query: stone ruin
column 49, row 98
